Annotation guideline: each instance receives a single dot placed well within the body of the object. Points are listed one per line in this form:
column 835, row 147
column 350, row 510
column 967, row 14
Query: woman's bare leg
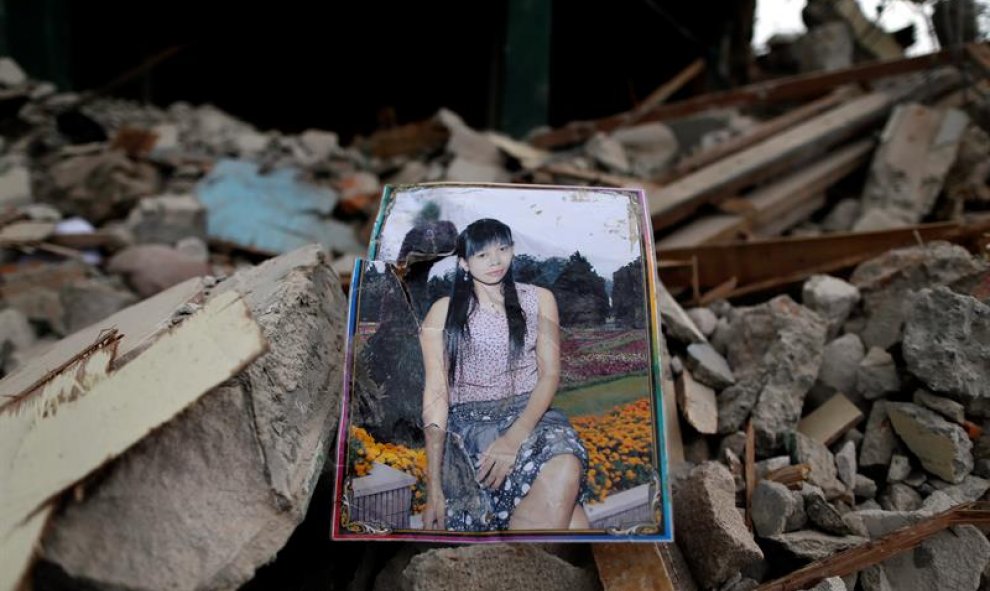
column 579, row 519
column 549, row 504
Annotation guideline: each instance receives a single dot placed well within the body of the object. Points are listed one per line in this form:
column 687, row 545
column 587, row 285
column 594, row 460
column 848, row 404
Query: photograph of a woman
column 498, row 456
column 503, row 370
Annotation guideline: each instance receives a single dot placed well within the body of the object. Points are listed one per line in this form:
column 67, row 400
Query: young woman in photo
column 498, row 456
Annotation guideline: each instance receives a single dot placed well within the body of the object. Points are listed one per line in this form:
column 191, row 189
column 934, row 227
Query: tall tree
column 628, row 304
column 580, row 293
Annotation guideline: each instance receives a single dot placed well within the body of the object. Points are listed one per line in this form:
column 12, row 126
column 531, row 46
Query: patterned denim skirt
column 471, row 428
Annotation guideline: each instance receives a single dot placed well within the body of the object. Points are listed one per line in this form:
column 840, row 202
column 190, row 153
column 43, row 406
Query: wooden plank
column 672, row 425
column 767, row 263
column 675, row 202
column 831, row 420
column 632, row 567
column 758, row 133
column 801, row 86
column 750, row 468
column 114, row 409
column 876, row 551
column 666, row 90
column 772, row 203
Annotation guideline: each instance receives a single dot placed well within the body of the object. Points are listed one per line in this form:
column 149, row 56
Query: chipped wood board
column 697, row 403
column 831, row 420
column 632, row 567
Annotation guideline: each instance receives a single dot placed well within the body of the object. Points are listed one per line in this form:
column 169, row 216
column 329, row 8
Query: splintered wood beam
column 770, row 263
column 857, row 558
column 632, row 567
column 801, row 86
column 666, row 90
column 750, row 468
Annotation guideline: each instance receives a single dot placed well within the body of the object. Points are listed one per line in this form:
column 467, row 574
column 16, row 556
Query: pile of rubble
column 847, row 406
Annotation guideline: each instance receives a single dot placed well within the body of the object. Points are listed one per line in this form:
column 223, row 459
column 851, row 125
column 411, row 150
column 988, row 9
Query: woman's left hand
column 498, row 459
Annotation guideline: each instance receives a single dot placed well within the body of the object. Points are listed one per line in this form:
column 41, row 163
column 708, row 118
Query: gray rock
column 735, row 442
column 832, row 298
column 704, row 319
column 15, row 187
column 972, row 488
column 900, row 468
column 821, row 513
column 775, row 349
column 710, row 530
column 842, row 217
column 218, row 491
column 608, row 153
column 937, row 502
column 197, row 249
column 915, row 479
column 772, row 506
column 708, row 367
column 15, row 330
column 876, row 375
column 943, row 447
column 822, row 463
column 952, row 560
column 874, row 578
column 764, row 467
column 879, row 440
column 830, row 584
column 879, row 522
column 900, row 497
column 798, row 518
column 151, row 268
column 886, row 282
column 869, row 505
column 11, row 73
column 735, row 404
column 947, row 344
column 494, row 567
column 810, row 545
column 854, row 435
column 650, row 147
column 166, row 219
column 840, row 359
column 90, row 301
column 742, row 584
column 864, row 487
column 845, row 463
column 949, row 409
column 982, row 468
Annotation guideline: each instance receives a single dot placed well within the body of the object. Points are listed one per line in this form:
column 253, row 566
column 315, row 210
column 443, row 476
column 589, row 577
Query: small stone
column 15, row 187
column 150, row 268
column 864, row 487
column 704, row 319
column 900, row 497
column 840, row 359
column 772, row 505
column 845, row 463
column 821, row 513
column 874, row 578
column 854, row 435
column 869, row 505
column 708, row 366
column 832, row 298
column 194, row 248
column 900, row 468
column 876, row 375
column 92, row 300
column 822, row 463
column 949, row 409
column 842, row 217
column 972, row 488
column 608, row 153
column 830, row 584
column 650, row 147
column 809, row 545
column 764, row 467
column 11, row 73
column 879, row 440
column 951, row 560
column 943, row 447
column 735, row 442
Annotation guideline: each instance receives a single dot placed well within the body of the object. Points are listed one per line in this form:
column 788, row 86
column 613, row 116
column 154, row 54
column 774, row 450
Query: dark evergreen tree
column 580, row 294
column 628, row 304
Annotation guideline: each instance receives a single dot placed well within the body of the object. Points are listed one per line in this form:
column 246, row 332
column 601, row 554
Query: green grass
column 602, row 397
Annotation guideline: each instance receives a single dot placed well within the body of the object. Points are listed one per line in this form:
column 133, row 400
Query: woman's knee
column 563, row 470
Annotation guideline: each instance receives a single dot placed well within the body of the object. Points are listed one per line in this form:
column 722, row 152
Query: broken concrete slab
column 166, row 219
column 15, row 187
column 822, row 463
column 711, row 532
column 951, row 560
column 649, row 147
column 900, row 497
column 947, row 345
column 832, row 298
column 887, row 282
column 697, row 404
column 704, row 319
column 917, row 148
column 845, row 464
column 942, row 447
column 876, row 376
column 242, row 203
column 773, row 506
column 972, row 488
column 808, row 545
column 218, row 493
column 735, row 404
column 708, row 366
column 840, row 359
column 949, row 409
column 151, row 268
column 776, row 349
column 842, row 217
column 676, row 321
column 90, row 301
column 492, row 567
column 879, row 440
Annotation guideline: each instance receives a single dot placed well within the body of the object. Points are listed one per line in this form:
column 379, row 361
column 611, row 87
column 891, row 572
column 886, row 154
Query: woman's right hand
column 435, row 513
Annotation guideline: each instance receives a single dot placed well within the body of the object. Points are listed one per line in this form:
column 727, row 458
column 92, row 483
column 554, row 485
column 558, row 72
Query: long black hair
column 476, row 237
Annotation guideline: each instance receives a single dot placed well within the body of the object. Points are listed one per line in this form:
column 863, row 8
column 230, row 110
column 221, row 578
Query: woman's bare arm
column 435, row 409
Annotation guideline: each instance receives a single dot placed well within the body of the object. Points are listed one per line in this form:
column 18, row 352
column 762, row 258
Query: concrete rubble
column 897, row 330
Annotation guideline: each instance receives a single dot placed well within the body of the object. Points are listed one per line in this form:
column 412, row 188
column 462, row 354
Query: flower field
column 618, row 444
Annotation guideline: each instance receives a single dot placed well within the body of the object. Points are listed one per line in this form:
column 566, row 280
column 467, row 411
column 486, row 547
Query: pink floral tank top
column 483, row 371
